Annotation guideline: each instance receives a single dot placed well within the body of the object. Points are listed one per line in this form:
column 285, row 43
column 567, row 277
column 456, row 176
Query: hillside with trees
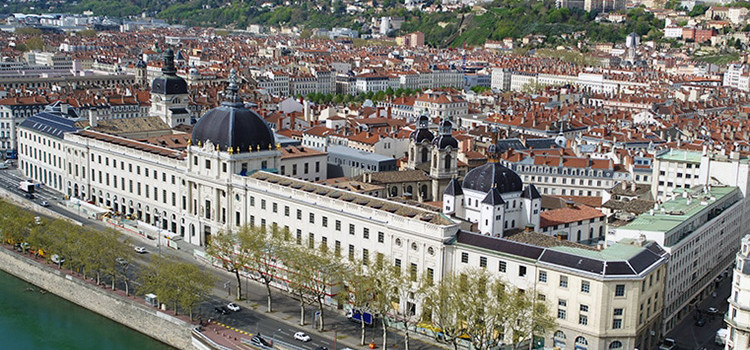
column 495, row 21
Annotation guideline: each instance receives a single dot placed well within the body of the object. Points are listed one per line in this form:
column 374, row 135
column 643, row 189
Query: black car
column 700, row 322
column 257, row 340
column 222, row 310
column 29, row 196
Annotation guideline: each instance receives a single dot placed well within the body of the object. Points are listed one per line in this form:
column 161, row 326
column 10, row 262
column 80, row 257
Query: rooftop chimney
column 93, row 118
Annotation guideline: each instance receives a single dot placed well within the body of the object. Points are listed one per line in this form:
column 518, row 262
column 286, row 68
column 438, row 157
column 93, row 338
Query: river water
column 30, row 319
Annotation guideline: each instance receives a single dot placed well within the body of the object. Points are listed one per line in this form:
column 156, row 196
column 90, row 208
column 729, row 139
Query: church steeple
column 168, row 68
column 232, row 96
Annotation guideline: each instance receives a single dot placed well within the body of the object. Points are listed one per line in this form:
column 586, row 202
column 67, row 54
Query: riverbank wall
column 129, row 312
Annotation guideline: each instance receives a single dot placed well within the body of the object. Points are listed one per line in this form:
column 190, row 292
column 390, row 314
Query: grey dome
column 168, row 83
column 233, row 126
column 492, row 175
column 422, row 132
column 445, row 138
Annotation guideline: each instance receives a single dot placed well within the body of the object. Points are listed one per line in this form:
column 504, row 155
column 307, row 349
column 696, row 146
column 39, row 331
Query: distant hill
column 499, row 20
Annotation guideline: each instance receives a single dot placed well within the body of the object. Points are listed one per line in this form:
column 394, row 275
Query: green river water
column 30, row 319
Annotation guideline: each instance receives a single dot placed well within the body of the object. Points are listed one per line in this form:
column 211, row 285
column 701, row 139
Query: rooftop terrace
column 672, row 213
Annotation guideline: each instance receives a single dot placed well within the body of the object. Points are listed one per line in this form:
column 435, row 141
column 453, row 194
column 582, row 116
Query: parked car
column 44, row 203
column 713, row 310
column 140, row 250
column 29, row 196
column 233, row 307
column 257, row 340
column 668, row 344
column 222, row 310
column 700, row 322
column 301, row 336
column 121, row 261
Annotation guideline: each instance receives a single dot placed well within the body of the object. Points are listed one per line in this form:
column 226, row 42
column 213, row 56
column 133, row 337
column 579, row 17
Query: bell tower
column 444, row 159
column 419, row 143
column 169, row 95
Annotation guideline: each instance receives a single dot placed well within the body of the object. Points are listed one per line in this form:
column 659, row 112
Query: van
column 668, row 344
column 721, row 336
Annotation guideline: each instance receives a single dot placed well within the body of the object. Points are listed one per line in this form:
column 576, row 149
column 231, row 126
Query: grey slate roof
column 566, row 257
column 531, row 192
column 493, row 198
column 453, row 188
column 50, row 124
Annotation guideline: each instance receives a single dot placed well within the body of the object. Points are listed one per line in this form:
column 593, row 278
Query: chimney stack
column 93, row 118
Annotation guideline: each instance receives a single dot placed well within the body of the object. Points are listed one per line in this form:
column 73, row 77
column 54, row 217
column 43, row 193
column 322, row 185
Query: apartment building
column 738, row 316
column 700, row 228
column 603, row 299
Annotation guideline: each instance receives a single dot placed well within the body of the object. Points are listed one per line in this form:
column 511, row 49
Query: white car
column 301, row 336
column 233, row 307
column 140, row 250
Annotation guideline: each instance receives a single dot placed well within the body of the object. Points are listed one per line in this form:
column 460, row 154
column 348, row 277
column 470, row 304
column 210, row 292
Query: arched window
column 615, row 345
column 424, row 155
column 591, row 233
column 409, row 189
column 601, row 231
column 578, row 239
column 559, row 339
column 581, row 343
column 447, row 162
column 394, row 191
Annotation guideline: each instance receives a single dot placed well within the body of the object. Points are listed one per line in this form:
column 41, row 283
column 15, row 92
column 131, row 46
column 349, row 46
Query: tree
column 90, row 33
column 35, row 43
column 405, row 312
column 159, row 277
column 16, row 224
column 231, row 250
column 322, row 274
column 194, row 285
column 357, row 291
column 383, row 276
column 262, row 252
column 297, row 260
column 528, row 316
column 442, row 308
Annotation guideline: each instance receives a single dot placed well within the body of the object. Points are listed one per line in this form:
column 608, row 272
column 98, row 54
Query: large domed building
column 232, row 126
column 493, row 197
column 234, row 136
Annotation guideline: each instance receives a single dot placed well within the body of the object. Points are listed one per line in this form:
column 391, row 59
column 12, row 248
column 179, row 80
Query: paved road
column 689, row 336
column 252, row 316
